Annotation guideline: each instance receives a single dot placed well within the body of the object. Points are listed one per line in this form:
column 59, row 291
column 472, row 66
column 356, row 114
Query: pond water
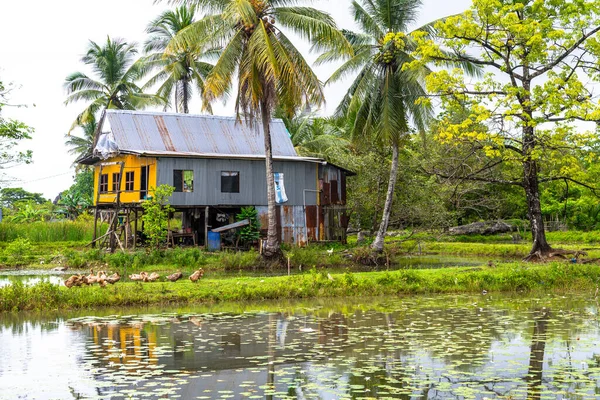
column 32, row 277
column 445, row 347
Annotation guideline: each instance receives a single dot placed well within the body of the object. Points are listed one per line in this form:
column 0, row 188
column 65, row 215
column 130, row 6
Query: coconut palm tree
column 81, row 146
column 315, row 136
column 114, row 86
column 265, row 64
column 182, row 69
column 382, row 100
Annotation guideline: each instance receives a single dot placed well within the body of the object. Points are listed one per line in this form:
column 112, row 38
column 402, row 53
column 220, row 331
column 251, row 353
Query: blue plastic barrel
column 214, row 241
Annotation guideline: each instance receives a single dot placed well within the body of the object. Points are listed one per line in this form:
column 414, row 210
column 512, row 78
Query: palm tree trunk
column 185, row 96
column 271, row 250
column 177, row 89
column 387, row 210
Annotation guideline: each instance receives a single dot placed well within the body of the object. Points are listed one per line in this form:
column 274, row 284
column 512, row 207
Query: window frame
column 103, row 183
column 129, row 183
column 235, row 185
column 115, row 181
column 183, row 188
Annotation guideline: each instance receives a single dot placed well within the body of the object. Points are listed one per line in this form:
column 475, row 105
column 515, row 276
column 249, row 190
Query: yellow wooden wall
column 132, row 163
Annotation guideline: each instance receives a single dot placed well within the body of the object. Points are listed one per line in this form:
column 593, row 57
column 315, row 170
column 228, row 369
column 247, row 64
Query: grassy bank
column 511, row 277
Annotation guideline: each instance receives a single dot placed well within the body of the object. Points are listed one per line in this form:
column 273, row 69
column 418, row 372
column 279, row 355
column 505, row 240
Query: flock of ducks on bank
column 102, row 279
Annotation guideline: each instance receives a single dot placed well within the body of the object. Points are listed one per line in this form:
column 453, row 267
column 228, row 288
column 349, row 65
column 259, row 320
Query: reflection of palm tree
column 536, row 355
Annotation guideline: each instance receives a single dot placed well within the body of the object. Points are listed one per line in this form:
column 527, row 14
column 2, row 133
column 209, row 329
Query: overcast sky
column 41, row 42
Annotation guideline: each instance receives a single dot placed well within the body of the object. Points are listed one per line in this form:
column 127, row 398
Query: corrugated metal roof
column 157, row 132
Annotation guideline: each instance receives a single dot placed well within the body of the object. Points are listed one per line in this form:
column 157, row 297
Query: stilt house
column 217, row 166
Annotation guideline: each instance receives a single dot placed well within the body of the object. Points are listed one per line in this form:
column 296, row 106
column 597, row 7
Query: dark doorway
column 144, row 182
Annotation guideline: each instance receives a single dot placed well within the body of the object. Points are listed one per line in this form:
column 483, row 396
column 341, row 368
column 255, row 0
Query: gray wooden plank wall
column 298, row 176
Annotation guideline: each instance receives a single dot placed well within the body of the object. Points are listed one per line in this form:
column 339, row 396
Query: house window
column 103, row 187
column 183, row 180
column 230, row 182
column 129, row 178
column 115, row 185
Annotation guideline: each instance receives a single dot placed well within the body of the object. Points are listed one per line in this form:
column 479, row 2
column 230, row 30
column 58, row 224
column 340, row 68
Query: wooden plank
column 206, row 214
column 95, row 226
column 232, row 226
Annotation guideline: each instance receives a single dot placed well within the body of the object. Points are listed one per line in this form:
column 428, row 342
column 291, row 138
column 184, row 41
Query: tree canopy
column 115, row 84
column 9, row 197
column 184, row 67
column 12, row 132
column 540, row 59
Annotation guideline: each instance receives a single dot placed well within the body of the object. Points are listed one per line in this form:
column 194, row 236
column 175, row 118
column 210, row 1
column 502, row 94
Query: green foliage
column 18, row 251
column 81, row 146
column 84, row 184
column 520, row 121
column 180, row 71
column 156, row 214
column 249, row 233
column 56, row 231
column 12, row 133
column 29, row 211
column 115, row 84
column 233, row 261
column 9, row 197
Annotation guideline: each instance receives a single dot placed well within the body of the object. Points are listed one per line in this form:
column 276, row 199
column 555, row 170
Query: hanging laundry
column 280, row 196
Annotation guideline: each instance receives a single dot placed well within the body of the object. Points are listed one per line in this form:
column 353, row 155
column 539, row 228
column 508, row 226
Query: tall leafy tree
column 541, row 57
column 114, row 85
column 265, row 64
column 184, row 67
column 12, row 133
column 10, row 196
column 382, row 100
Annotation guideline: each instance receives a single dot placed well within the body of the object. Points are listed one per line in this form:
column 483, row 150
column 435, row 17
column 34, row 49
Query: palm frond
column 316, row 26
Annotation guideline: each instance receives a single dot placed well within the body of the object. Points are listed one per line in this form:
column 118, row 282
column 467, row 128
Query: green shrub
column 239, row 260
column 19, row 251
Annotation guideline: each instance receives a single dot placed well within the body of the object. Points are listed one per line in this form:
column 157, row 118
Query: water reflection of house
column 216, row 166
column 124, row 344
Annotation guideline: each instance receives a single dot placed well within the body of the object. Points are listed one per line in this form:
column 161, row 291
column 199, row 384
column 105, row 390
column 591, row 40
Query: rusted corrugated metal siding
column 300, row 235
column 326, row 194
column 311, row 223
column 199, row 134
column 292, row 224
column 332, row 182
column 335, row 195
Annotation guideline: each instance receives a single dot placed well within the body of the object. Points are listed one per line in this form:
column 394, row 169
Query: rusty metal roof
column 200, row 135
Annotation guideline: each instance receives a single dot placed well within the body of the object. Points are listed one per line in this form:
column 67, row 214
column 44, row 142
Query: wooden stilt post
column 95, row 227
column 127, row 230
column 206, row 228
column 97, row 201
column 135, row 228
column 117, row 209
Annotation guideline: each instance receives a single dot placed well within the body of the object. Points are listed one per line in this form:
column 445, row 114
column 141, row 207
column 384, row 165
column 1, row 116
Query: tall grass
column 38, row 232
